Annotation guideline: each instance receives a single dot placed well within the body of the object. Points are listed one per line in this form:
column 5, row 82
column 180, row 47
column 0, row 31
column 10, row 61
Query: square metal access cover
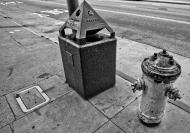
column 31, row 98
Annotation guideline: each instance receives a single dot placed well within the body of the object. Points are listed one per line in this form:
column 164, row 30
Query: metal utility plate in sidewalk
column 31, row 98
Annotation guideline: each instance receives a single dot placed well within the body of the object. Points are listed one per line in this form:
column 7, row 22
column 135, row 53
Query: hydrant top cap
column 161, row 67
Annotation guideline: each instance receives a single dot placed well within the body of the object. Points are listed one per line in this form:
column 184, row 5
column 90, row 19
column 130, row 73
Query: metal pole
column 72, row 6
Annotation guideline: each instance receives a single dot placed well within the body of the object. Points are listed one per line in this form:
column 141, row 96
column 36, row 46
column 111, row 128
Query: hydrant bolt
column 154, row 57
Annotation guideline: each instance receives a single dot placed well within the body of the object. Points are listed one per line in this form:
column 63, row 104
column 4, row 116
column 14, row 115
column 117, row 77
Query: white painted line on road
column 54, row 11
column 139, row 15
column 145, row 16
column 19, row 2
column 155, row 4
column 127, row 6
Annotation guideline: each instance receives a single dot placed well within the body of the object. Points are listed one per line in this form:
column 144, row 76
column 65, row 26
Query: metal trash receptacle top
column 31, row 98
column 85, row 21
column 89, row 57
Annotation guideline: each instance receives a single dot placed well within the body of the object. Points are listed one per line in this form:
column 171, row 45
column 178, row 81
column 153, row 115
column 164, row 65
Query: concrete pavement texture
column 30, row 55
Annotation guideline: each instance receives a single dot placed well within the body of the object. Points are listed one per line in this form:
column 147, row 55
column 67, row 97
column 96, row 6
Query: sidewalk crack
column 18, row 43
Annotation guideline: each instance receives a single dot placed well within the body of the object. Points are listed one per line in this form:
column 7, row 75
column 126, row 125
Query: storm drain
column 31, row 98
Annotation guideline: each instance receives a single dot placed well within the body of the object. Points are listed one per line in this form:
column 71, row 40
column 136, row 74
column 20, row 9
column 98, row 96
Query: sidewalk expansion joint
column 99, row 110
column 100, row 126
column 17, row 42
column 10, row 108
column 27, row 29
column 11, row 127
column 118, row 126
column 133, row 100
column 180, row 104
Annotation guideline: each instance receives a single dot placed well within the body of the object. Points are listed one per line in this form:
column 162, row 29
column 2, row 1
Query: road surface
column 161, row 25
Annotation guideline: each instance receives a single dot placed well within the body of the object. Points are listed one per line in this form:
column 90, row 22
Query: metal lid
column 161, row 67
column 86, row 21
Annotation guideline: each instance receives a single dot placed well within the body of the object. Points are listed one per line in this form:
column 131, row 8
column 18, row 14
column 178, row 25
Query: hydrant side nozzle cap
column 163, row 68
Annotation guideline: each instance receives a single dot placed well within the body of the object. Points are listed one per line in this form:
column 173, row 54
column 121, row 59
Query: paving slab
column 8, row 52
column 29, row 67
column 40, row 24
column 61, row 75
column 19, row 31
column 6, row 115
column 53, row 86
column 4, row 34
column 174, row 121
column 67, row 114
column 6, row 129
column 8, row 47
column 113, row 100
column 4, row 22
column 109, row 127
column 25, row 57
column 35, row 43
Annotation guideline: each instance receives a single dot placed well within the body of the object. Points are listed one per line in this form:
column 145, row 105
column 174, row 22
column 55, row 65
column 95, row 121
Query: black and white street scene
column 94, row 66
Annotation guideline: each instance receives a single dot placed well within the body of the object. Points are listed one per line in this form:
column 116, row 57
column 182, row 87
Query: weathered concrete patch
column 69, row 114
column 174, row 121
column 4, row 35
column 8, row 51
column 29, row 66
column 109, row 128
column 34, row 43
column 21, row 67
column 20, row 32
column 61, row 75
column 6, row 129
column 54, row 87
column 6, row 115
column 115, row 99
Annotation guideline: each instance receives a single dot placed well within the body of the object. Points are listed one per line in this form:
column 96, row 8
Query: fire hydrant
column 160, row 71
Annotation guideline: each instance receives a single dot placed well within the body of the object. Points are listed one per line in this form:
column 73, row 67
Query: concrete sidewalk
column 31, row 56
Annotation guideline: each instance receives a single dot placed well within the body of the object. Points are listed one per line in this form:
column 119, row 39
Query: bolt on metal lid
column 161, row 67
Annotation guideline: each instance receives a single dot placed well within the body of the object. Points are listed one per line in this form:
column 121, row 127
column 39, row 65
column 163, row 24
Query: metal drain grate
column 31, row 98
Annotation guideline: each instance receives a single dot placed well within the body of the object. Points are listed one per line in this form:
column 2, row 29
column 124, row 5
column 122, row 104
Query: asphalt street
column 163, row 25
